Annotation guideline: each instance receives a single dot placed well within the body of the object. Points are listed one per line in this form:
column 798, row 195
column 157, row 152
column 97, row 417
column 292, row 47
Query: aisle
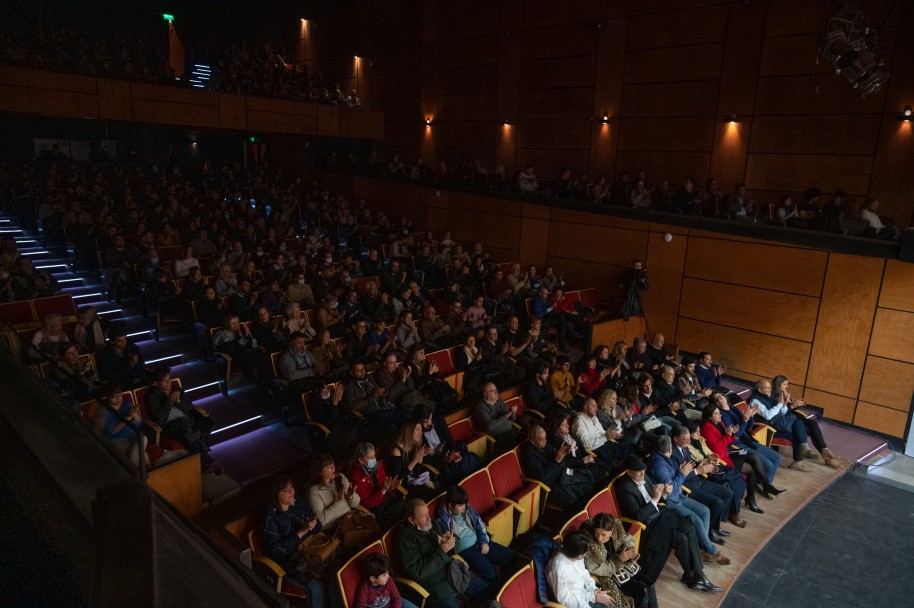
column 744, row 545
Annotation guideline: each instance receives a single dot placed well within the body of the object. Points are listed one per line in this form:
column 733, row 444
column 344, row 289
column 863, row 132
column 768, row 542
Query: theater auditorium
column 473, row 304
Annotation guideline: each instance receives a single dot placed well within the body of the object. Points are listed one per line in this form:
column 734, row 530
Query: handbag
column 318, row 551
column 358, row 529
column 625, row 572
column 650, row 424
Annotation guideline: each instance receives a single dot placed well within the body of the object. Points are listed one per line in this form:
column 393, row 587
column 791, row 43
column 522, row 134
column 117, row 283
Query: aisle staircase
column 237, row 410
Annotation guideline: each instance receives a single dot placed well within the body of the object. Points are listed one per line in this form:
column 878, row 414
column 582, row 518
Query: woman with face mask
column 376, row 490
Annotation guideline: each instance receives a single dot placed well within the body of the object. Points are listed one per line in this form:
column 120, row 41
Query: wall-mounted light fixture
column 506, row 122
column 907, row 114
column 733, row 119
column 605, row 119
column 428, row 121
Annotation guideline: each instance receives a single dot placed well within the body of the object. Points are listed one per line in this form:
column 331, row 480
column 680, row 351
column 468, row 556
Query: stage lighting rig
column 851, row 45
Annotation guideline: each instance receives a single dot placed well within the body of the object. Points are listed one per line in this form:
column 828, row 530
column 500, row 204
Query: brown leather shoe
column 737, row 521
column 707, row 557
column 724, row 560
column 798, row 465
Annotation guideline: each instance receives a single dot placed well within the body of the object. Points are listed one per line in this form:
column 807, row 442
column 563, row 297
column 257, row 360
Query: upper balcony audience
column 241, row 68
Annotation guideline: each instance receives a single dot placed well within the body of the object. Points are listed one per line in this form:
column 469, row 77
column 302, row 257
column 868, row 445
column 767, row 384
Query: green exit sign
column 168, row 17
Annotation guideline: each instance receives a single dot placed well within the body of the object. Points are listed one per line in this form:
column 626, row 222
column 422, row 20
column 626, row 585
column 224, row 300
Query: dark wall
column 668, row 73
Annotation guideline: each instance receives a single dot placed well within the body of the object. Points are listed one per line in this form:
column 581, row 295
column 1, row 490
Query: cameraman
column 634, row 281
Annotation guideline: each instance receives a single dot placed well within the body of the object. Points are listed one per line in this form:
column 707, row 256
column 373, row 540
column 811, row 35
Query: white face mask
column 301, row 281
column 325, row 395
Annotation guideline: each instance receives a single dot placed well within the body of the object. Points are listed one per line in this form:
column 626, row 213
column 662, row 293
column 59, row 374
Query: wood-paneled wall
column 668, row 74
column 839, row 326
column 54, row 94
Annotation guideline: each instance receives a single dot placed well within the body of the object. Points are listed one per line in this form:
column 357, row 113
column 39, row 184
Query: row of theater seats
column 509, row 503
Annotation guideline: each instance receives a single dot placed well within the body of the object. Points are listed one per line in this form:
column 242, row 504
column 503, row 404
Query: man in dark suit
column 638, row 498
column 570, row 487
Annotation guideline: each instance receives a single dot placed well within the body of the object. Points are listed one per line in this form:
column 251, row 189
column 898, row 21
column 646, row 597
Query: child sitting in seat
column 379, row 590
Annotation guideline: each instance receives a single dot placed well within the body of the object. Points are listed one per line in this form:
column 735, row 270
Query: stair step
column 158, row 354
column 230, row 417
column 199, row 380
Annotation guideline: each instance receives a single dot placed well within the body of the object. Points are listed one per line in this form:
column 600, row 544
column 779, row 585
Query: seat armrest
column 508, row 501
column 323, row 428
column 633, row 522
column 201, row 411
column 416, row 587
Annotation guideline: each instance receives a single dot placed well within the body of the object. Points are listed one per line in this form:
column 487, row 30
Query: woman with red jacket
column 590, row 379
column 719, row 437
column 371, row 481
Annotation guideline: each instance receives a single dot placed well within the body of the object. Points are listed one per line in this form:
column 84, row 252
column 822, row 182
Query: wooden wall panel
column 792, row 172
column 463, row 134
column 607, row 92
column 787, row 17
column 232, row 111
column 559, row 73
column 692, row 99
column 771, row 312
column 835, row 407
column 779, row 55
column 534, row 242
column 794, row 95
column 731, row 150
column 114, row 99
column 328, row 120
column 787, row 269
column 573, row 102
column 888, row 383
column 180, row 483
column 597, row 244
column 478, row 50
column 835, row 134
column 686, row 134
column 677, row 64
column 892, row 180
column 610, row 332
column 881, row 419
column 474, row 106
column 564, row 41
column 740, row 69
column 172, row 113
column 543, row 14
column 897, row 286
column 757, row 355
column 459, row 22
column 892, row 333
column 555, row 134
column 665, row 262
column 845, row 321
column 461, row 79
column 678, row 28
